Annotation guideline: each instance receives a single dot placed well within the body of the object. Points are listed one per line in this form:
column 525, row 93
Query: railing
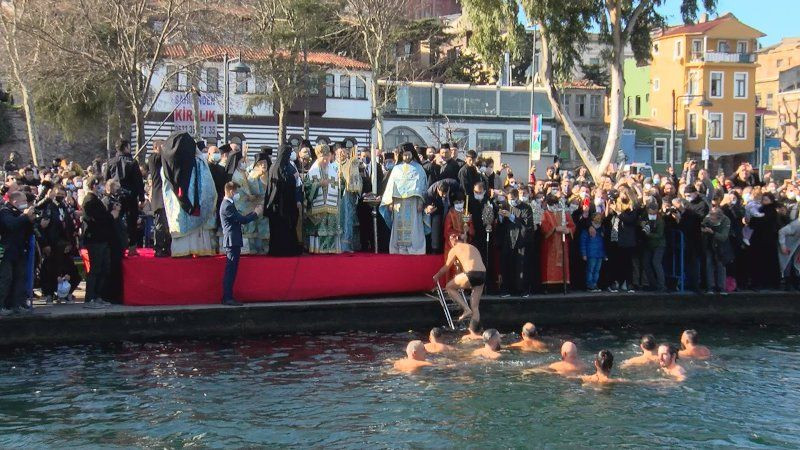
column 720, row 57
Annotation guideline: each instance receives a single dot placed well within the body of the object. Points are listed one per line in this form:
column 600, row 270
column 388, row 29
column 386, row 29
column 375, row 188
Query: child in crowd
column 752, row 208
column 62, row 289
column 593, row 251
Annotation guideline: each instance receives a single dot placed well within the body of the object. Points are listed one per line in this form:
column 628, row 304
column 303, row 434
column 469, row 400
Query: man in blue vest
column 232, row 221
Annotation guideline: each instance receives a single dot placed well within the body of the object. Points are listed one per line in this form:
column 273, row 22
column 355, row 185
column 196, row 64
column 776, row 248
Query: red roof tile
column 214, row 52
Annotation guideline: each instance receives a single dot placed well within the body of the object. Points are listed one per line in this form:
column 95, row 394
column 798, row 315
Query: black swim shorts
column 476, row 278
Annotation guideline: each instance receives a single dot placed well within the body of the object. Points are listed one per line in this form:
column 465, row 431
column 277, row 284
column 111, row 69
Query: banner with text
column 536, row 137
column 183, row 117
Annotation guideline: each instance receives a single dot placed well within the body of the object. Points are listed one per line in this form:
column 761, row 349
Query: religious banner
column 536, row 137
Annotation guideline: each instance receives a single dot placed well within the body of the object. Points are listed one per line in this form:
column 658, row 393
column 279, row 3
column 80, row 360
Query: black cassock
column 280, row 206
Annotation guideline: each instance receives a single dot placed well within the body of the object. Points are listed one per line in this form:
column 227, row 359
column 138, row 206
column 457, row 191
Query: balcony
column 722, row 57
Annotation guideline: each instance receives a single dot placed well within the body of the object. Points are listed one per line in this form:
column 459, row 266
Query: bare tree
column 442, row 130
column 789, row 127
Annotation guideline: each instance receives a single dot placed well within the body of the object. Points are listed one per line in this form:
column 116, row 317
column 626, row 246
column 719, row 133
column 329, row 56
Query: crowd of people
column 684, row 228
column 664, row 356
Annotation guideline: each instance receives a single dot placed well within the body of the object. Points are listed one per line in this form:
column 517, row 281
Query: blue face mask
column 390, row 165
column 236, row 197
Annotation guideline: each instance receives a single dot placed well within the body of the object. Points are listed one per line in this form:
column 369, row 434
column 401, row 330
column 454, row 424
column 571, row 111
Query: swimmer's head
column 604, row 361
column 491, row 337
column 569, row 351
column 529, row 331
column 436, row 334
column 648, row 343
column 455, row 238
column 689, row 337
column 416, row 350
column 475, row 326
column 667, row 355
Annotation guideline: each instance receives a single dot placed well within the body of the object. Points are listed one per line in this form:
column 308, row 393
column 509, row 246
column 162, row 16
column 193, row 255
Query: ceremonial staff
column 562, row 205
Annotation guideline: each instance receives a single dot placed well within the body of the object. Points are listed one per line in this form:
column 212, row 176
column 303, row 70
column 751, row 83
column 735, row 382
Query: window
column 740, row 85
column 594, row 144
column 647, row 97
column 330, row 84
column 460, row 137
column 678, row 50
column 241, row 83
column 723, row 47
column 595, row 108
column 522, row 140
column 715, row 125
column 546, row 150
column 697, row 47
column 655, row 48
column 344, row 86
column 716, row 84
column 692, row 125
column 212, row 79
column 361, row 89
column 693, row 86
column 660, row 150
column 741, row 47
column 779, row 63
column 491, row 140
column 260, row 85
column 399, row 135
column 638, row 105
column 564, row 147
column 758, row 99
column 565, row 102
column 628, row 105
column 656, row 84
column 678, row 150
column 740, row 125
column 769, row 101
column 172, row 81
column 653, row 112
column 594, row 61
column 580, row 105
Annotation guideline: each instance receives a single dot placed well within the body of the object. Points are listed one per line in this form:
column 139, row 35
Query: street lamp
column 704, row 103
column 238, row 66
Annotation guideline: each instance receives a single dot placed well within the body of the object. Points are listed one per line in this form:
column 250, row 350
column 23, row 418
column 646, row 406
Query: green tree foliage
column 596, row 73
column 73, row 108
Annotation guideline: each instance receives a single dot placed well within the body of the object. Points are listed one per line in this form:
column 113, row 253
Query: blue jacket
column 232, row 221
column 593, row 247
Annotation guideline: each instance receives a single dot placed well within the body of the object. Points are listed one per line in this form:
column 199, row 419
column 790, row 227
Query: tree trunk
column 139, row 124
column 30, row 121
column 198, row 135
column 281, row 123
column 377, row 114
column 616, row 117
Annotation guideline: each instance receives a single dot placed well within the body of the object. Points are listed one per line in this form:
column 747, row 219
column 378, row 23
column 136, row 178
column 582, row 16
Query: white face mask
column 524, row 199
column 501, row 198
column 236, row 197
column 293, row 156
column 656, row 181
column 459, row 207
column 480, row 196
column 791, row 195
column 652, row 216
column 648, row 186
column 513, row 202
column 747, row 197
column 22, row 206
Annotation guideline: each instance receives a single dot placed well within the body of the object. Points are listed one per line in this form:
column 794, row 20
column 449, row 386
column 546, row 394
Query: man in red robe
column 454, row 224
column 557, row 229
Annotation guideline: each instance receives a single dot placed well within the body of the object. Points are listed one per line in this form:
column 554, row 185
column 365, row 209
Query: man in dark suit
column 125, row 169
column 232, row 221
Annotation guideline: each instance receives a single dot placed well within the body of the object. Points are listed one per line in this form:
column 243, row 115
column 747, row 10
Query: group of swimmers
column 664, row 355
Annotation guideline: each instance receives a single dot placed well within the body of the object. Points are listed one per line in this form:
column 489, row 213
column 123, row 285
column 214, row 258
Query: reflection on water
column 337, row 391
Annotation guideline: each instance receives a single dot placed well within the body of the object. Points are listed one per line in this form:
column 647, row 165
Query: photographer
column 98, row 237
column 692, row 212
column 16, row 219
column 125, row 170
column 56, row 238
column 113, row 201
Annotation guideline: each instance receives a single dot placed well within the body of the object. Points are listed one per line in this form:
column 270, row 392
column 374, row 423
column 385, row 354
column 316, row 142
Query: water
column 338, row 391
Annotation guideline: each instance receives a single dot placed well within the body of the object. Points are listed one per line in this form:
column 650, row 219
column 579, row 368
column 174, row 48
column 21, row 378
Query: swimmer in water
column 415, row 358
column 434, row 346
column 603, row 363
column 667, row 359
column 472, row 276
column 529, row 343
column 474, row 332
column 690, row 347
column 649, row 353
column 569, row 365
column 491, row 345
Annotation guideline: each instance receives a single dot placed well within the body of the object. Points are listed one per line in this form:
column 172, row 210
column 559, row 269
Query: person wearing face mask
column 693, row 211
column 458, row 222
column 477, row 202
column 515, row 239
column 257, row 232
column 56, row 237
column 126, row 171
column 232, row 241
column 16, row 227
column 654, row 244
column 282, row 205
column 162, row 239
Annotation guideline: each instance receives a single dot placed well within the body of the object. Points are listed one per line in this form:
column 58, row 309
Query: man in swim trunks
column 690, row 347
column 415, row 358
column 474, row 332
column 472, row 276
column 569, row 366
column 667, row 359
column 529, row 343
column 434, row 346
column 491, row 345
column 649, row 353
column 603, row 363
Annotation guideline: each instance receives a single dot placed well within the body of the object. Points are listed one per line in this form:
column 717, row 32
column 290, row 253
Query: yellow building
column 771, row 62
column 710, row 61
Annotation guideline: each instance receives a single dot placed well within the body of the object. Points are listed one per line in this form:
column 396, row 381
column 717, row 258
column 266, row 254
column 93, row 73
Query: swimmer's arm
column 451, row 259
column 540, row 369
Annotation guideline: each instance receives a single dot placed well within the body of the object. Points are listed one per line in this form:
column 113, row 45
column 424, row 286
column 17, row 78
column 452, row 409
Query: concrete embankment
column 62, row 324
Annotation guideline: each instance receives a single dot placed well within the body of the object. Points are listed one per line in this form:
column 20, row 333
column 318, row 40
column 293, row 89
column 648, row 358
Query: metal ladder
column 445, row 306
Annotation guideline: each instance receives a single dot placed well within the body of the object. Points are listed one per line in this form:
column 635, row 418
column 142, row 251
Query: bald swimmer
column 474, row 332
column 667, row 359
column 649, row 353
column 434, row 345
column 690, row 347
column 529, row 343
column 415, row 358
column 491, row 345
column 569, row 365
column 603, row 363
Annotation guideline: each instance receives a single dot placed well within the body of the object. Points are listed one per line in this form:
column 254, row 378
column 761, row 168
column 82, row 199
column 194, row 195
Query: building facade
column 338, row 101
column 711, row 60
column 773, row 60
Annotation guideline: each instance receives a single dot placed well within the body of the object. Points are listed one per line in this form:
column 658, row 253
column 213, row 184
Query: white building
column 339, row 106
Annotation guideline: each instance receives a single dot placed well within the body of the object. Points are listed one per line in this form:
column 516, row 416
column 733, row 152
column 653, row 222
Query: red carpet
column 189, row 281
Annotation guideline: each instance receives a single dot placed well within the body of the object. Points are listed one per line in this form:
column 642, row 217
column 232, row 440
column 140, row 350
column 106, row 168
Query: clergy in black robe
column 219, row 175
column 468, row 175
column 161, row 238
column 447, row 167
column 515, row 237
column 282, row 205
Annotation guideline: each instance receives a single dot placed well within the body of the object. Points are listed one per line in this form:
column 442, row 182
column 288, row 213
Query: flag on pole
column 536, row 137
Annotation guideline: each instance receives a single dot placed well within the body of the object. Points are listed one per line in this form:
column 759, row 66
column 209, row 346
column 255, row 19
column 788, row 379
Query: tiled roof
column 582, row 84
column 701, row 27
column 214, row 52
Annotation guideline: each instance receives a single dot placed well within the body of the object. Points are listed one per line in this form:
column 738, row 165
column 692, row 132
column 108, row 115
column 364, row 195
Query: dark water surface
column 338, row 391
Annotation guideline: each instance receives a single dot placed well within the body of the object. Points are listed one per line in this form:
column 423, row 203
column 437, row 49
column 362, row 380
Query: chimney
column 703, row 18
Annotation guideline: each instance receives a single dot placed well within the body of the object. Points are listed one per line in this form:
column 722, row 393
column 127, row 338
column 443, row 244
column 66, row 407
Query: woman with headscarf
column 282, row 204
column 237, row 169
column 322, row 197
column 189, row 196
column 257, row 180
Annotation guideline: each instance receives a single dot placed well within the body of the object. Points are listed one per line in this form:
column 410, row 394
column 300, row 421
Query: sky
column 775, row 18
